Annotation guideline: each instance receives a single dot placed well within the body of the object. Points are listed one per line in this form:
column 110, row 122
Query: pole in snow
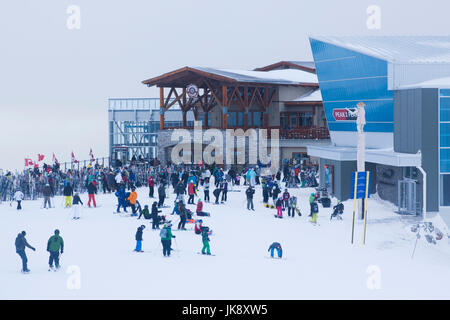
column 361, row 148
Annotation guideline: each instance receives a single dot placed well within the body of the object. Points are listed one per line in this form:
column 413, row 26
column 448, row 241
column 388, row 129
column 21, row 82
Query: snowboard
column 278, row 217
column 205, row 254
column 275, row 258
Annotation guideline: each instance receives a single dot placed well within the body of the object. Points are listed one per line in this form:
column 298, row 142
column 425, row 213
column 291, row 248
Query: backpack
column 163, row 233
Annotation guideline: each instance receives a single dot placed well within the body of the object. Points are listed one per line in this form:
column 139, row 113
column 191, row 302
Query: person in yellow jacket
column 132, row 199
column 314, row 211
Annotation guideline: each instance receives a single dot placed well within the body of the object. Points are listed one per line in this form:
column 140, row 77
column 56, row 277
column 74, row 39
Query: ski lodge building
column 404, row 83
column 283, row 96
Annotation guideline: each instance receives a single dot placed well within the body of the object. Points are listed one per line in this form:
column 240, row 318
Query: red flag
column 28, row 162
column 40, row 157
column 55, row 160
column 73, row 158
column 92, row 155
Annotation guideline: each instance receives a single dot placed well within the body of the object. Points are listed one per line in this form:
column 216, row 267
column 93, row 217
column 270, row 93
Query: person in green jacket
column 54, row 245
column 166, row 239
column 205, row 239
column 145, row 213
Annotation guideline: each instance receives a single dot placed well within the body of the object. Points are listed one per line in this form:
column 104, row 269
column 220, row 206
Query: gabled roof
column 396, row 49
column 310, row 98
column 301, row 65
column 183, row 76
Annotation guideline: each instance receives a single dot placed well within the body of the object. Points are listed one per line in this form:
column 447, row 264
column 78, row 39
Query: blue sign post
column 360, row 190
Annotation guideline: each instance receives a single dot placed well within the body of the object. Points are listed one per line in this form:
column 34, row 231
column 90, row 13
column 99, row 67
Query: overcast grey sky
column 55, row 82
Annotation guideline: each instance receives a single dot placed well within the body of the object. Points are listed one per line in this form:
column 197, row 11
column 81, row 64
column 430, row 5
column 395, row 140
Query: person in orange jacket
column 132, row 199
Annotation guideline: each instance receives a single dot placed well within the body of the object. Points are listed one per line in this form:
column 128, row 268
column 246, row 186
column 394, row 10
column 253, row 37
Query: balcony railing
column 305, row 133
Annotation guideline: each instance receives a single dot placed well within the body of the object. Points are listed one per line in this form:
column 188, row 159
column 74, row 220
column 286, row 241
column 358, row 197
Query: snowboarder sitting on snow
column 199, row 210
column 21, row 243
column 54, row 245
column 146, row 213
column 205, row 239
column 139, row 239
column 338, row 210
column 276, row 246
column 166, row 239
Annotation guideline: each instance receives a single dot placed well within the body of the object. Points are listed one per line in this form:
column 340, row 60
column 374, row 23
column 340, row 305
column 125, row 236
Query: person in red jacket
column 151, row 185
column 199, row 210
column 191, row 192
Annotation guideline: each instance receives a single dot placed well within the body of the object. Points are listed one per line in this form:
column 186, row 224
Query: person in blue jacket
column 121, row 195
column 276, row 246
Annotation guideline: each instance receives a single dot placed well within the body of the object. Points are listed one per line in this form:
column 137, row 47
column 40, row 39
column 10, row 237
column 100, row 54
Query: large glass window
column 444, row 190
column 257, row 119
column 305, row 119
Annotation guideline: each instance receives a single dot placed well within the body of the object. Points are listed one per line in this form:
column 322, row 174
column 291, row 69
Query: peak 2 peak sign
column 345, row 114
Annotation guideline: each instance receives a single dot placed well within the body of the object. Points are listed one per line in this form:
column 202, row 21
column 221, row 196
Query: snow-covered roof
column 396, row 49
column 302, row 65
column 434, row 83
column 286, row 76
column 311, row 96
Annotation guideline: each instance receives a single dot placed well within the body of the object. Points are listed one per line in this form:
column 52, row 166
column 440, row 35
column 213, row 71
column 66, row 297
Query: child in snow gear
column 314, row 212
column 151, row 186
column 18, row 196
column 249, row 193
column 279, row 205
column 139, row 239
column 199, row 210
column 338, row 210
column 205, row 239
column 120, row 194
column 21, row 243
column 206, row 189
column 276, row 246
column 198, row 226
column 54, row 245
column 76, row 206
column 166, row 239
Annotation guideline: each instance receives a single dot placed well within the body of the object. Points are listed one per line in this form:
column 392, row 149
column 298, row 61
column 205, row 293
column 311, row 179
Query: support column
column 184, row 119
column 205, row 119
column 161, row 108
column 266, row 118
column 224, row 108
column 246, row 124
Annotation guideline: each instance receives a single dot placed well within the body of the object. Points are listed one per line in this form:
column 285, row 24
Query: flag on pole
column 55, row 161
column 91, row 155
column 28, row 162
column 40, row 157
column 73, row 158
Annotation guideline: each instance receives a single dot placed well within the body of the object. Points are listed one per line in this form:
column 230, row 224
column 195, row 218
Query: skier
column 92, row 189
column 216, row 194
column 47, row 192
column 182, row 213
column 18, row 196
column 54, row 245
column 139, row 239
column 314, row 211
column 224, row 187
column 276, row 246
column 206, row 189
column 249, row 193
column 21, row 243
column 338, row 210
column 166, row 239
column 161, row 194
column 279, row 206
column 132, row 198
column 151, row 186
column 75, row 206
column 312, row 198
column 155, row 217
column 286, row 197
column 205, row 239
column 292, row 205
column 191, row 192
column 68, row 193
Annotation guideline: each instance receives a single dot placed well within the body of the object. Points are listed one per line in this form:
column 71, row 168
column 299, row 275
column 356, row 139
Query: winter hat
column 24, row 233
column 199, row 200
column 146, row 206
column 56, row 231
column 142, row 226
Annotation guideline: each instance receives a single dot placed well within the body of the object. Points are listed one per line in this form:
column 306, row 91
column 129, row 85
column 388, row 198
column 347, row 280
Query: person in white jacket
column 18, row 196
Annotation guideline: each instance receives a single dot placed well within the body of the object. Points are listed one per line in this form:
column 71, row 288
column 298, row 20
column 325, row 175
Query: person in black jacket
column 249, row 193
column 216, row 194
column 161, row 195
column 76, row 206
column 92, row 189
column 182, row 213
column 155, row 217
column 139, row 239
column 21, row 243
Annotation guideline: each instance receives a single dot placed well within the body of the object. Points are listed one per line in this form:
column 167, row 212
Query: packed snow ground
column 320, row 261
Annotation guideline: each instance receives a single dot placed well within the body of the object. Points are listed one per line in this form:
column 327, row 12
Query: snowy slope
column 320, row 261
